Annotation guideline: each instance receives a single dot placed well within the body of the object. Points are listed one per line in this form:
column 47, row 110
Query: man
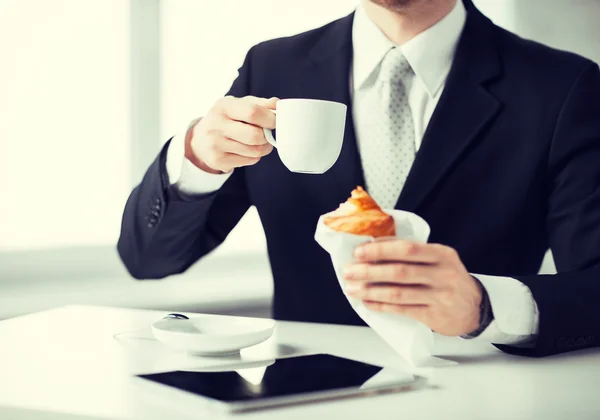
column 492, row 139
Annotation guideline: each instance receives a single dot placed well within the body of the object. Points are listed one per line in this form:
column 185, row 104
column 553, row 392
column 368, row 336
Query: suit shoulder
column 549, row 64
column 292, row 46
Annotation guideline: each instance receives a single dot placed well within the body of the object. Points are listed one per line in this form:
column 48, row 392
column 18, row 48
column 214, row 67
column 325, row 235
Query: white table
column 67, row 360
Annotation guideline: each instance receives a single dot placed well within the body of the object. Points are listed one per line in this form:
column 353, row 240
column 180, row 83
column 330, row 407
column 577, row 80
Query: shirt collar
column 429, row 54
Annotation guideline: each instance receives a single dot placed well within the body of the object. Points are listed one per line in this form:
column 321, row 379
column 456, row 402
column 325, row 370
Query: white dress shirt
column 430, row 55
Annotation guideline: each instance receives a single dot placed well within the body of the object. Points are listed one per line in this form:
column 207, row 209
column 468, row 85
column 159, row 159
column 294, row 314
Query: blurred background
column 89, row 92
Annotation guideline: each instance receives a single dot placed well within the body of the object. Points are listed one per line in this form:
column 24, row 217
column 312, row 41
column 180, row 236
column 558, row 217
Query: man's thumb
column 271, row 103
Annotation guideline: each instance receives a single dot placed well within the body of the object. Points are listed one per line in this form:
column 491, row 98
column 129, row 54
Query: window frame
column 145, row 86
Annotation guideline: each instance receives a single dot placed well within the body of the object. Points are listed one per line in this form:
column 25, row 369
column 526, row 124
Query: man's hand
column 231, row 134
column 427, row 282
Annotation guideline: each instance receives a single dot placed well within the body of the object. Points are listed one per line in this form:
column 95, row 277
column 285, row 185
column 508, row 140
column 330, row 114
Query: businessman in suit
column 492, row 139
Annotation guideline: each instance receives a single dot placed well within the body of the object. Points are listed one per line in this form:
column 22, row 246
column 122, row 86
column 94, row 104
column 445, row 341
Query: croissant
column 360, row 215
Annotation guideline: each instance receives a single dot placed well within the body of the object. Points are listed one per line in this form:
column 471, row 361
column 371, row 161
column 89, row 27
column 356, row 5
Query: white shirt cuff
column 187, row 177
column 516, row 317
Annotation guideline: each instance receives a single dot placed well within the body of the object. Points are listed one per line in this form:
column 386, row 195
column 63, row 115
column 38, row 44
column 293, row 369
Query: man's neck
column 401, row 26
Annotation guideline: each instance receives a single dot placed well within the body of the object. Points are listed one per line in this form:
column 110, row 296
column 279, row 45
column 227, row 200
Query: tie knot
column 394, row 66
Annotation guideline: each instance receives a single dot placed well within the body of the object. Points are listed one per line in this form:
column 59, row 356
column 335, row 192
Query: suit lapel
column 326, row 76
column 464, row 110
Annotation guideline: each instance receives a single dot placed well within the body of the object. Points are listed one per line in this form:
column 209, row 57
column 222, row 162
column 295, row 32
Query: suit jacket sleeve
column 569, row 302
column 163, row 231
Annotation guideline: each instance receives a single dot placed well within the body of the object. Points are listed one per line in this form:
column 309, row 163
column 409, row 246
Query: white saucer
column 206, row 335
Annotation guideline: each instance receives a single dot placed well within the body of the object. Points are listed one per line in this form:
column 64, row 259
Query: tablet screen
column 286, row 377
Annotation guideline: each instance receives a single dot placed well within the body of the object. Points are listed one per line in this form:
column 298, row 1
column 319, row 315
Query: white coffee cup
column 310, row 133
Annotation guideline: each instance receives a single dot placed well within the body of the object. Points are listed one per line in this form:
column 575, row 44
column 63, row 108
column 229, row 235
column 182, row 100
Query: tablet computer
column 281, row 382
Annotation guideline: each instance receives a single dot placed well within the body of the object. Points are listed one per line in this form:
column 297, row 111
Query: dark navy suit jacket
column 509, row 166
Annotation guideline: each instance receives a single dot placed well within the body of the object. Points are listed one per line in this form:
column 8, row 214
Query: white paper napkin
column 411, row 339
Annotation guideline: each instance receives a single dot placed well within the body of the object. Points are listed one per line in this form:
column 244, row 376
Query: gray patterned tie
column 387, row 148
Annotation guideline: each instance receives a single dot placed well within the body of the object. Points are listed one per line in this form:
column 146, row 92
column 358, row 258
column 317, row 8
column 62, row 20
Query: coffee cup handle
column 269, row 133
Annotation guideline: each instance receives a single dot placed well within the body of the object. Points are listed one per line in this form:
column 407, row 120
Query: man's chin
column 394, row 5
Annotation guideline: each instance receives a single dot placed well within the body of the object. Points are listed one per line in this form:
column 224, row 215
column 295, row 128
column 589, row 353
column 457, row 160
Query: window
column 203, row 45
column 64, row 122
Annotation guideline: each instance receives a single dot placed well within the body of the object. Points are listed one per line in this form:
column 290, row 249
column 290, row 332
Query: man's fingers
column 237, row 161
column 266, row 102
column 224, row 161
column 390, row 273
column 250, row 111
column 400, row 250
column 270, row 103
column 241, row 149
column 418, row 312
column 243, row 132
column 395, row 294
